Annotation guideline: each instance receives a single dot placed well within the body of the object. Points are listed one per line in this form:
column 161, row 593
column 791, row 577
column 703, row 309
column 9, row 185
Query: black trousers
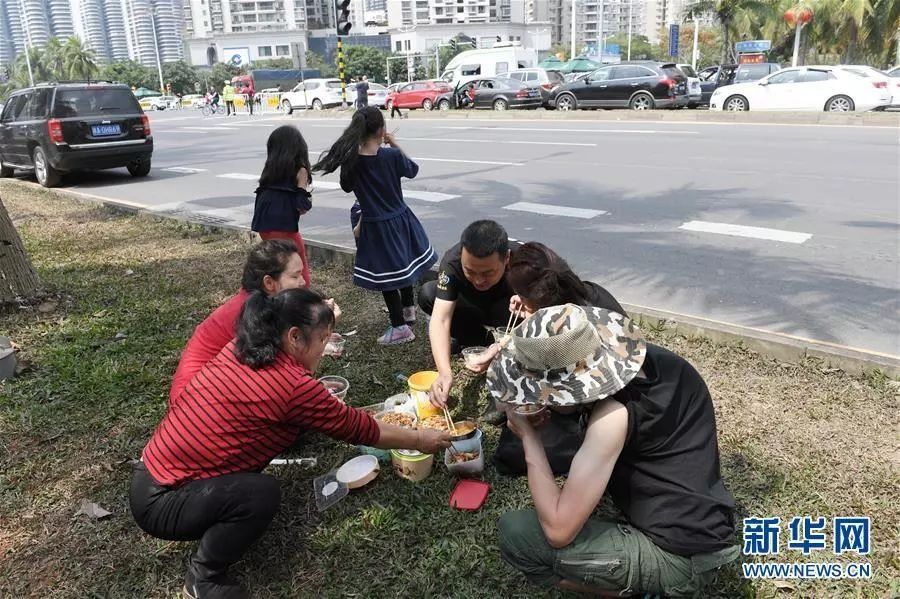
column 226, row 514
column 469, row 320
column 397, row 300
column 250, row 103
column 395, row 109
column 229, row 107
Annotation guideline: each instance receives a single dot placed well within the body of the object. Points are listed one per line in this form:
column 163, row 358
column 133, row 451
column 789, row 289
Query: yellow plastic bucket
column 419, row 385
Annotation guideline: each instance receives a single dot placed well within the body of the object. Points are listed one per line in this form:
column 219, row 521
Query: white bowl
column 359, row 471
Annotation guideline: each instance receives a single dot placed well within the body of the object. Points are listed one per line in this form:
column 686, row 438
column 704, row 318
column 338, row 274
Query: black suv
column 639, row 85
column 56, row 128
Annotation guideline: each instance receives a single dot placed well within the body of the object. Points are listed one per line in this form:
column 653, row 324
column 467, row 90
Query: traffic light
column 343, row 17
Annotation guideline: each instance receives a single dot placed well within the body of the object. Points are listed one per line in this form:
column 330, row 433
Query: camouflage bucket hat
column 567, row 355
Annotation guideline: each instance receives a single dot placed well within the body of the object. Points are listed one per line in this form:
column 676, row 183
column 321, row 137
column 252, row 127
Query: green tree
column 274, row 63
column 54, row 57
column 641, row 48
column 39, row 69
column 220, row 73
column 560, row 51
column 181, row 75
column 709, row 45
column 79, row 61
column 728, row 12
column 364, row 60
column 131, row 73
column 315, row 61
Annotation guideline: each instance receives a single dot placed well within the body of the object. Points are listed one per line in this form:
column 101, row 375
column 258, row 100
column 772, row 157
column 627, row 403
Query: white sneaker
column 397, row 336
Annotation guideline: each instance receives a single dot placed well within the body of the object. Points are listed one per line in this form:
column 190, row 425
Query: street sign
column 196, row 86
column 753, row 46
column 674, row 31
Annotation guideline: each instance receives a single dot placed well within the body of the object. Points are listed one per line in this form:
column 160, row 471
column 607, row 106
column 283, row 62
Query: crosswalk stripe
column 745, row 231
column 242, row 176
column 552, row 210
column 184, row 169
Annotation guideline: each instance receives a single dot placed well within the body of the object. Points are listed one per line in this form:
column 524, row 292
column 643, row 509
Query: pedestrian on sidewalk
column 251, row 96
column 282, row 196
column 228, row 96
column 393, row 251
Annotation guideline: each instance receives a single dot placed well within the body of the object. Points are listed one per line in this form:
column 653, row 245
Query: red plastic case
column 469, row 494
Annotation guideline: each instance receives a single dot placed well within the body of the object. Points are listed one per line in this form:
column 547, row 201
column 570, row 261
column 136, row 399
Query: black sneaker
column 216, row 586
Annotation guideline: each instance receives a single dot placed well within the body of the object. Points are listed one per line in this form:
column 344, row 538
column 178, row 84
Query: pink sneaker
column 397, row 335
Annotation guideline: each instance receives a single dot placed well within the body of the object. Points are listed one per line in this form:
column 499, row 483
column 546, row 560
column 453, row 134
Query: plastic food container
column 336, row 385
column 470, row 467
column 472, row 355
column 411, row 464
column 358, row 472
column 465, row 429
column 531, row 411
column 335, row 346
column 419, row 385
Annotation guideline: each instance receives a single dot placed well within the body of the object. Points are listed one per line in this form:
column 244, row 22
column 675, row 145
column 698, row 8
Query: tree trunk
column 17, row 277
column 850, row 57
column 725, row 43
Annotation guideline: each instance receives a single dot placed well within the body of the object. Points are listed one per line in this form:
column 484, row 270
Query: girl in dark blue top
column 392, row 249
column 281, row 197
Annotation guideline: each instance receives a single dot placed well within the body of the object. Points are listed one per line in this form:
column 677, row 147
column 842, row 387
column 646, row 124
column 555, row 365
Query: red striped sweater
column 230, row 418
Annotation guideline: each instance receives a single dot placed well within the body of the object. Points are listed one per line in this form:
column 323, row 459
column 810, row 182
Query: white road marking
column 242, row 176
column 184, row 169
column 743, row 231
column 428, row 196
column 217, row 128
column 498, row 141
column 552, row 210
column 417, row 158
column 558, row 130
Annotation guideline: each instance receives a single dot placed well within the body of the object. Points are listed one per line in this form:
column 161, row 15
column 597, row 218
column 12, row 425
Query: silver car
column 695, row 94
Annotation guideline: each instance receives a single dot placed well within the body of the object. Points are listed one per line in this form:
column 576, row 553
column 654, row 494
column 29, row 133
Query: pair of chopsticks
column 449, row 419
column 512, row 318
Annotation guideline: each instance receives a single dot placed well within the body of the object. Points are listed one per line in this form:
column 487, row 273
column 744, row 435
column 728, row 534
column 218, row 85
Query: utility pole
column 162, row 87
column 27, row 43
column 629, row 28
column 602, row 40
column 342, row 19
column 572, row 50
column 696, row 41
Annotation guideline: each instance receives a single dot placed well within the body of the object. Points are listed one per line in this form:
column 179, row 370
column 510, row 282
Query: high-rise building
column 113, row 29
column 596, row 20
column 205, row 17
column 408, row 13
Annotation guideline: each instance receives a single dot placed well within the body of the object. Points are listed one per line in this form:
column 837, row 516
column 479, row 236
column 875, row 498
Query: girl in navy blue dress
column 393, row 251
column 282, row 198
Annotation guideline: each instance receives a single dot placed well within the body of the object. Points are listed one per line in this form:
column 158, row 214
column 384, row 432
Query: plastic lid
column 469, row 494
column 328, row 491
column 410, row 454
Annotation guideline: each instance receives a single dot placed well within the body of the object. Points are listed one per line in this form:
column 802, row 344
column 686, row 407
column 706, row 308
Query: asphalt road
column 792, row 229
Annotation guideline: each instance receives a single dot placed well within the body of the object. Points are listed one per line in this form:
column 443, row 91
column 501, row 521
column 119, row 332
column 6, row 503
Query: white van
column 490, row 62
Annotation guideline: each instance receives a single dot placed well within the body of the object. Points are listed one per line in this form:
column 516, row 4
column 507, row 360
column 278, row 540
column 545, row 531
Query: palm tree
column 79, row 61
column 54, row 58
column 20, row 77
column 730, row 12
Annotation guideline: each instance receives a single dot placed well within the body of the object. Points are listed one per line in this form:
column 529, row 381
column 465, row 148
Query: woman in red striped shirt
column 201, row 473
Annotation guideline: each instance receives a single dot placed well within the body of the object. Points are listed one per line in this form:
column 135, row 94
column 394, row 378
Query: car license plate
column 105, row 130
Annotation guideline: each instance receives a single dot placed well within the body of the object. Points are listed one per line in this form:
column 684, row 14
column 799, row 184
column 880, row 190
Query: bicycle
column 208, row 110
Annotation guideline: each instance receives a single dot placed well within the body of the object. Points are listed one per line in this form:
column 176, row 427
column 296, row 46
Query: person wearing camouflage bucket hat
column 650, row 442
column 567, row 355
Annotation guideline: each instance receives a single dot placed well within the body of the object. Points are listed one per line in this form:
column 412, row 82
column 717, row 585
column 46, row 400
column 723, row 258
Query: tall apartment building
column 113, row 29
column 205, row 17
column 407, row 13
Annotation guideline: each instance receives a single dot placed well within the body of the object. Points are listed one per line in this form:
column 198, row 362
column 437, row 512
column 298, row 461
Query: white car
column 811, row 88
column 886, row 80
column 163, row 102
column 695, row 94
column 316, row 94
column 378, row 95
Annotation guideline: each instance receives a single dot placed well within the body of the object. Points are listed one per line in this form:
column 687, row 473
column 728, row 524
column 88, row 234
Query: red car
column 417, row 94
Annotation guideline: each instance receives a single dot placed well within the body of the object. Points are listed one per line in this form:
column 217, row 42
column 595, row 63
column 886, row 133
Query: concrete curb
column 780, row 346
column 869, row 119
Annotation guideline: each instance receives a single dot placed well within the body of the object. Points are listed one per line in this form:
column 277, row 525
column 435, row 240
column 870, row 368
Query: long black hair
column 344, row 153
column 539, row 275
column 265, row 319
column 287, row 153
column 266, row 258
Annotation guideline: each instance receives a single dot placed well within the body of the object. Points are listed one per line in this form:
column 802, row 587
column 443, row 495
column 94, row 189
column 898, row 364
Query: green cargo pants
column 606, row 555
